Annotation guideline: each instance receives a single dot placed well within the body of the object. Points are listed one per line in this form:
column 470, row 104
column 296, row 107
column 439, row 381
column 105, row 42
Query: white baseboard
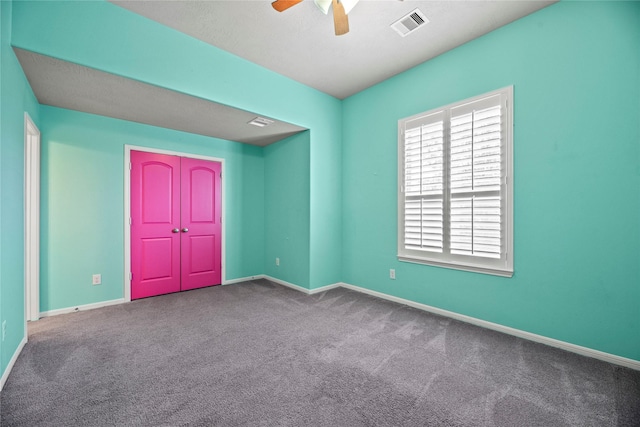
column 288, row 285
column 81, row 307
column 300, row 288
column 244, row 279
column 12, row 362
column 323, row 288
column 584, row 351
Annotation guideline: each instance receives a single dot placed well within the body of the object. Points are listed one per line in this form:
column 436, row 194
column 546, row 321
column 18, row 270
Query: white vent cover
column 260, row 122
column 409, row 23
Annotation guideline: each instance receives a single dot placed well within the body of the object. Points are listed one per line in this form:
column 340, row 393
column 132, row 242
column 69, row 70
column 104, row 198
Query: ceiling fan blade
column 282, row 5
column 340, row 19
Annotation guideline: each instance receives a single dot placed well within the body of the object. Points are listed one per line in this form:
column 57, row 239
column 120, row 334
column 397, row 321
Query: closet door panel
column 200, row 232
column 155, row 221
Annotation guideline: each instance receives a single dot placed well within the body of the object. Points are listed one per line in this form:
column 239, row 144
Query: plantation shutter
column 475, row 178
column 454, row 203
column 424, row 184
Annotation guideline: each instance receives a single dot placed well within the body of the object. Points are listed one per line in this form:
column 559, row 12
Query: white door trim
column 31, row 219
column 127, row 208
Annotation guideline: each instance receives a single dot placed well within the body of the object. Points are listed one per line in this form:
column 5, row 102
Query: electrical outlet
column 392, row 274
column 97, row 279
column 278, row 261
column 4, row 329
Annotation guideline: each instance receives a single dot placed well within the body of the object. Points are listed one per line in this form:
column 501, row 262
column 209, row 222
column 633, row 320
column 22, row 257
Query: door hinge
column 130, row 166
column 129, row 220
column 130, row 276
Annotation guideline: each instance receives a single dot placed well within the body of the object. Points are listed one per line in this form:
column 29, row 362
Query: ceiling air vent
column 409, row 23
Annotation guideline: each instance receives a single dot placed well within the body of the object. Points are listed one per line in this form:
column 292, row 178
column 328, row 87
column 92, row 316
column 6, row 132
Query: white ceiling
column 299, row 43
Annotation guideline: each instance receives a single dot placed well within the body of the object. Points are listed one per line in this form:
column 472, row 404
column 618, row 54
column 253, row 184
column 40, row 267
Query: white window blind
column 455, row 203
column 424, row 186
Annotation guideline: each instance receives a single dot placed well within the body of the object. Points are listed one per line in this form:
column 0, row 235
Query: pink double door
column 175, row 224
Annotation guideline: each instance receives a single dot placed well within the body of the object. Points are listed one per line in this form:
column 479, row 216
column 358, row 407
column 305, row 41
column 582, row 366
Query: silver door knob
column 175, row 230
column 184, row 230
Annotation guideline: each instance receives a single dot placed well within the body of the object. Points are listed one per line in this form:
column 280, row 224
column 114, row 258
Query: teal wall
column 16, row 97
column 83, row 202
column 287, row 221
column 104, row 36
column 575, row 68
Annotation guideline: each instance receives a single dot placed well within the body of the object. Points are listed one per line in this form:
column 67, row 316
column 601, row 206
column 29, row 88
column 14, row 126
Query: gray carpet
column 259, row 354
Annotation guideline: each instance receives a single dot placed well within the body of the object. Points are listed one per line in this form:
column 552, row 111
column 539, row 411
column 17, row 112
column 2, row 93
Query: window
column 455, row 179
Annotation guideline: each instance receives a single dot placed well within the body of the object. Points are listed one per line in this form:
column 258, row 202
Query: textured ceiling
column 299, row 43
column 75, row 87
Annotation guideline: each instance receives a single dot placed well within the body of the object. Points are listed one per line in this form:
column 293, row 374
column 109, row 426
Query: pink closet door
column 155, row 224
column 175, row 224
column 200, row 231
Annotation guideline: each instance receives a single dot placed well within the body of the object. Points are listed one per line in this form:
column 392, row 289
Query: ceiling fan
column 340, row 10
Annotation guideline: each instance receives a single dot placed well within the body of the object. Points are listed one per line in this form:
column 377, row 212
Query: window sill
column 459, row 266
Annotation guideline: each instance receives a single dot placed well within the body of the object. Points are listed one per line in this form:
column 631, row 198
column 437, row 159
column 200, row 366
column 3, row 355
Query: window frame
column 502, row 266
